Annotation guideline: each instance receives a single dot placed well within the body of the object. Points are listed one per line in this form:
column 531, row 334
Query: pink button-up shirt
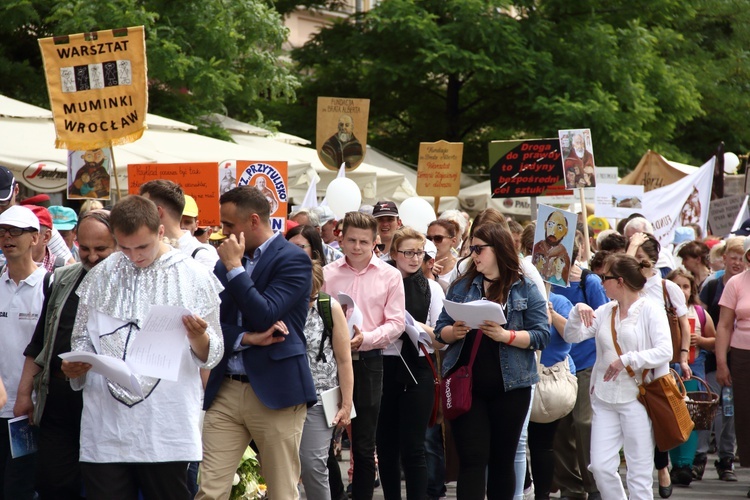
column 378, row 291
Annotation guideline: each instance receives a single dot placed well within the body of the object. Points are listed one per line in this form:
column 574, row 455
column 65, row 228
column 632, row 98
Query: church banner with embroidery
column 97, row 87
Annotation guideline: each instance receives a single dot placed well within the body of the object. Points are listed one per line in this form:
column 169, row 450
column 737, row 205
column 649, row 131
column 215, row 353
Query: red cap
column 45, row 219
column 290, row 224
column 35, row 200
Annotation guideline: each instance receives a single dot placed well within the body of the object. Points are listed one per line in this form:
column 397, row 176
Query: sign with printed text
column 524, row 168
column 439, row 168
column 341, row 134
column 199, row 180
column 618, row 201
column 723, row 212
column 97, row 87
column 271, row 178
column 562, row 196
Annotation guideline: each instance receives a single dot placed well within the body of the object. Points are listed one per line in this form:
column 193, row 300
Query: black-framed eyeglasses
column 14, row 231
column 606, row 277
column 411, row 253
column 477, row 249
column 380, row 247
column 438, row 238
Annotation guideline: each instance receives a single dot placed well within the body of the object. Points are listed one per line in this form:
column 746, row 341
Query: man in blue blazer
column 261, row 388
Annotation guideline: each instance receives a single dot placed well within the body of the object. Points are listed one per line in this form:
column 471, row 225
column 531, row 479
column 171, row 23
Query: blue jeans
column 434, row 452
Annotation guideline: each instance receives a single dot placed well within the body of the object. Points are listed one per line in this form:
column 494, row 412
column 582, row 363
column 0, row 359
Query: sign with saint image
column 578, row 158
column 553, row 244
column 341, row 135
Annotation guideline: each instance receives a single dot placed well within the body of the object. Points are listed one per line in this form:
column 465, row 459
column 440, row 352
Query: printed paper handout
column 475, row 313
column 352, row 311
column 114, row 369
column 22, row 437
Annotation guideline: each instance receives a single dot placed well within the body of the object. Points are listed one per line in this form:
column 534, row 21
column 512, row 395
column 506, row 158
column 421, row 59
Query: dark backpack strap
column 195, row 252
column 46, row 284
column 324, row 309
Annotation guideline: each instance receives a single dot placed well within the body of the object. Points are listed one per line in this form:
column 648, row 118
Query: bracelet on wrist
column 512, row 336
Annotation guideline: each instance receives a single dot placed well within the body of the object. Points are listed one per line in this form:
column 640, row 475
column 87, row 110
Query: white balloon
column 342, row 196
column 731, row 162
column 416, row 213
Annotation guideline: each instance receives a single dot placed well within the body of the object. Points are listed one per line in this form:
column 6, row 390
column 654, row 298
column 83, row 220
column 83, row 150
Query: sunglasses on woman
column 438, row 238
column 477, row 249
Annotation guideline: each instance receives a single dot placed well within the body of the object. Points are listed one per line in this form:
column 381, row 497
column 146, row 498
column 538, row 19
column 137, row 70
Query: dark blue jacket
column 279, row 289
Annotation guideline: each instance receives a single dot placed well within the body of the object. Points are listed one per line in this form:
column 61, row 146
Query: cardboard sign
column 199, row 180
column 271, row 178
column 553, row 244
column 89, row 174
column 562, row 196
column 618, row 200
column 578, row 158
column 524, row 168
column 723, row 212
column 341, row 135
column 97, row 87
column 439, row 168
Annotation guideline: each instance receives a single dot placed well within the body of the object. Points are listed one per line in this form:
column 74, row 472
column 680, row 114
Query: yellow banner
column 97, row 87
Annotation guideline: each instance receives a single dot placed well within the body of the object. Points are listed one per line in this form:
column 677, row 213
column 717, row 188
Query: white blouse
column 643, row 337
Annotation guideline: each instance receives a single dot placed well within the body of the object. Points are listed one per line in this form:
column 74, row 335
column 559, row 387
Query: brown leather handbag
column 664, row 402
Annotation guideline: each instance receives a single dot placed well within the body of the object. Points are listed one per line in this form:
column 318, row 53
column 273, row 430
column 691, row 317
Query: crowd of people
column 266, row 339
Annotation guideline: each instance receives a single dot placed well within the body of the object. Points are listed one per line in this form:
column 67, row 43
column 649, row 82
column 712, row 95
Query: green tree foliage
column 642, row 74
column 202, row 55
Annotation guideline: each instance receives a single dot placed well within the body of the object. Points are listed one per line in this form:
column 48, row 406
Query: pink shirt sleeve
column 736, row 296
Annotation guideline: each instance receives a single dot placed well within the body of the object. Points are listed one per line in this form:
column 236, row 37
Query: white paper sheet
column 114, row 369
column 157, row 349
column 352, row 312
column 475, row 313
column 331, row 400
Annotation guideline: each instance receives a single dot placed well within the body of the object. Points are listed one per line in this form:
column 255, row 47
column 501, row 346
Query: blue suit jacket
column 278, row 289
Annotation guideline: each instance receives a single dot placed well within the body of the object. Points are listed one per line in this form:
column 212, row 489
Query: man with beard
column 57, row 412
column 549, row 249
column 342, row 147
column 581, row 161
column 92, row 179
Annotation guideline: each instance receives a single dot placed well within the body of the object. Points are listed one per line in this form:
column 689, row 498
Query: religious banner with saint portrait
column 341, row 136
column 578, row 158
column 271, row 178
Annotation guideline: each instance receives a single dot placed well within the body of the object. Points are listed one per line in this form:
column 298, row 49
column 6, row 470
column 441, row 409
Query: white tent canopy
column 29, row 136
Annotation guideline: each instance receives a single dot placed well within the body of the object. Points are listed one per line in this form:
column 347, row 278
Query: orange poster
column 272, row 179
column 199, row 180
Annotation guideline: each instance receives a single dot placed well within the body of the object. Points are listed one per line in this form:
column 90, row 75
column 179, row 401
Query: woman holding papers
column 505, row 367
column 620, row 421
column 408, row 376
column 330, row 360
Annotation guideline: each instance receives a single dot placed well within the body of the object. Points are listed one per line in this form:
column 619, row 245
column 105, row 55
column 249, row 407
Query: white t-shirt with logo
column 20, row 306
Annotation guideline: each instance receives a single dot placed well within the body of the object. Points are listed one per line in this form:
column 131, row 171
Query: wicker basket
column 702, row 406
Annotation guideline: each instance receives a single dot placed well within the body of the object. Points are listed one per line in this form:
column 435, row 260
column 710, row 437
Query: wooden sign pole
column 586, row 247
column 114, row 171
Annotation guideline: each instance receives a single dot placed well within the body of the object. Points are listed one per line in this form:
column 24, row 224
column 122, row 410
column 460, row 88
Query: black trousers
column 58, row 473
column 541, row 437
column 123, row 481
column 404, row 415
column 486, row 440
column 16, row 474
column 368, row 387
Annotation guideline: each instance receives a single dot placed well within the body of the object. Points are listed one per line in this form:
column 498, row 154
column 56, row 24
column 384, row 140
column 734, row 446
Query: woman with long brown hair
column 505, row 368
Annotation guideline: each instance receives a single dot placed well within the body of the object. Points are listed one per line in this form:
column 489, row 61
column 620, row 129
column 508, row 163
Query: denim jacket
column 526, row 310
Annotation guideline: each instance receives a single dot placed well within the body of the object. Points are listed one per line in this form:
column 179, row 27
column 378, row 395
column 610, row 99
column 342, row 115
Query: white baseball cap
column 18, row 216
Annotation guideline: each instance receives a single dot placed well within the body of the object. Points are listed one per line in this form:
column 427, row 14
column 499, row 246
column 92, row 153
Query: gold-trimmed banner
column 97, row 87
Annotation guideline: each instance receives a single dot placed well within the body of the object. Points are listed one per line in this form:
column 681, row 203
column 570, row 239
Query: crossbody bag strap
column 667, row 298
column 429, row 361
column 617, row 345
column 475, row 348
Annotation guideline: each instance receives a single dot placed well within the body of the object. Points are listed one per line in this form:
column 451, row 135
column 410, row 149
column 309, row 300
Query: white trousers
column 627, row 426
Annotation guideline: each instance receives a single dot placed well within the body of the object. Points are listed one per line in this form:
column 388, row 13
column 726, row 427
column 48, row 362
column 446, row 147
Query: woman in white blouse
column 620, row 420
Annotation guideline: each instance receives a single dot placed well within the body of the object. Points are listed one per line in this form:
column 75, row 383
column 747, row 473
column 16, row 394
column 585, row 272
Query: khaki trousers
column 235, row 418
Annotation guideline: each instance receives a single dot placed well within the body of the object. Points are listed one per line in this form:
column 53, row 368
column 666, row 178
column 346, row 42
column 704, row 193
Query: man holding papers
column 377, row 287
column 21, row 297
column 131, row 442
column 57, row 411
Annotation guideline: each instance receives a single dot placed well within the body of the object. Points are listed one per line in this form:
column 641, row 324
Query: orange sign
column 199, row 180
column 272, row 179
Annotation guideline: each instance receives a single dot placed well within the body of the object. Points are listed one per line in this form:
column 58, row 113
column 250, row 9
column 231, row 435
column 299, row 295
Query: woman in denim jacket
column 504, row 370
